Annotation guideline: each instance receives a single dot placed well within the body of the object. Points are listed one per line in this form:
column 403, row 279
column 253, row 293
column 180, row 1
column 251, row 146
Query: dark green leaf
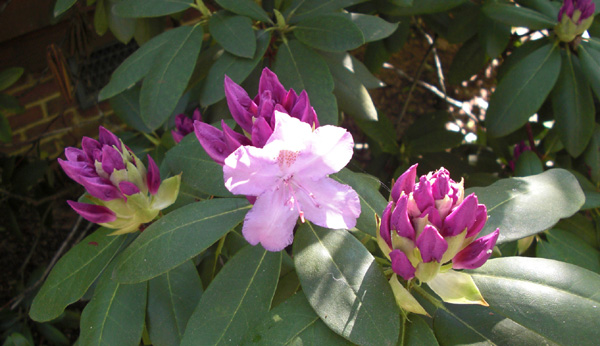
column 293, row 323
column 331, row 33
column 371, row 201
column 417, row 332
column 10, row 76
column 418, row 7
column 345, row 286
column 493, row 36
column 382, row 132
column 199, row 170
column 528, row 164
column 74, row 273
column 582, row 227
column 122, row 28
column 300, row 68
column 126, row 106
column 566, row 247
column 549, row 8
column 150, row 8
column 234, row 33
column 373, row 28
column 573, row 106
column 592, row 155
column 52, row 334
column 167, row 79
column 521, row 207
column 177, row 237
column 115, row 315
column 237, row 299
column 287, row 286
column 518, row 16
column 247, row 8
column 5, row 130
column 100, row 18
column 523, row 90
column 62, row 5
column 137, row 65
column 10, row 103
column 303, row 9
column 590, row 64
column 435, row 141
column 234, row 67
column 16, row 339
column 172, row 298
column 363, row 74
column 519, row 54
column 464, row 23
column 352, row 96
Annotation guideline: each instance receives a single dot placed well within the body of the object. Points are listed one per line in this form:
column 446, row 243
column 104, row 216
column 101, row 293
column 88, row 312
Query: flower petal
column 401, row 265
column 251, row 171
column 261, row 131
column 431, row 244
column 108, row 138
column 153, row 176
column 461, row 217
column 328, row 203
column 475, row 255
column 211, row 139
column 239, row 104
column 271, row 222
column 128, row 188
column 480, row 219
column 111, row 159
column 400, row 221
column 101, row 188
column 423, row 195
column 270, row 82
column 405, row 183
column 384, row 227
column 93, row 213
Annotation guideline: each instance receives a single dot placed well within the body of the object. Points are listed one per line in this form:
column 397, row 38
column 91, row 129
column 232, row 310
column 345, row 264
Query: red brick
column 30, row 116
column 58, row 105
column 38, row 92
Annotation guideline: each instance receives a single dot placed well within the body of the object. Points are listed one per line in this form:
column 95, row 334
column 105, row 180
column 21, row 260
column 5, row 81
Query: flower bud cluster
column 184, row 125
column 574, row 18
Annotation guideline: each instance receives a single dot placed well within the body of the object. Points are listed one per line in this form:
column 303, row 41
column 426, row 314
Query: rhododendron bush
column 252, row 221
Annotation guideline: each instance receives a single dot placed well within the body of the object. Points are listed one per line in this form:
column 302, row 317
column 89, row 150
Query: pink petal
column 108, row 138
column 196, row 115
column 93, row 213
column 480, row 219
column 423, row 195
column 101, row 188
column 153, row 176
column 400, row 221
column 385, row 228
column 91, row 147
column 401, row 265
column 270, row 82
column 431, row 244
column 405, row 183
column 74, row 154
column 271, row 221
column 239, row 104
column 177, row 137
column 461, row 218
column 251, row 171
column 327, row 203
column 128, row 188
column 233, row 139
column 111, row 159
column 211, row 139
column 261, row 131
column 475, row 255
column 441, row 185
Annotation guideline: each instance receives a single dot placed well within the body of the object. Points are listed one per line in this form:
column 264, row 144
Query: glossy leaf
column 10, row 76
column 331, row 33
column 167, row 79
column 137, row 65
column 581, row 226
column 122, row 28
column 16, row 339
column 592, row 155
column 528, row 164
column 573, row 106
column 373, row 28
column 100, row 18
column 199, row 170
column 493, row 36
column 126, row 106
column 518, row 16
column 566, row 247
column 234, row 33
column 542, row 301
column 293, row 323
column 382, row 132
column 590, row 65
column 543, row 6
column 521, row 207
column 418, row 7
column 523, row 90
column 172, row 298
column 62, row 5
column 303, row 9
column 372, row 202
column 74, row 273
column 248, row 8
column 236, row 68
column 417, row 332
column 150, row 8
column 300, row 68
column 177, row 237
column 115, row 315
column 345, row 286
column 237, row 299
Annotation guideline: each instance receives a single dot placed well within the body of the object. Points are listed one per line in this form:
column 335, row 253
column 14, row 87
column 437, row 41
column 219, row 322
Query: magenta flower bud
column 241, row 106
column 123, row 194
column 261, row 132
column 184, row 125
column 574, row 18
column 431, row 224
column 218, row 144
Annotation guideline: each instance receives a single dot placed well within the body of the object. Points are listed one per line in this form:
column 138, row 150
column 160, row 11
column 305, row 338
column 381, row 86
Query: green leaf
column 428, row 134
column 523, row 90
column 10, row 103
column 362, row 73
column 74, row 273
column 115, row 315
column 518, row 16
column 150, row 8
column 199, row 170
column 590, row 64
column 172, row 298
column 52, row 334
column 372, row 202
column 542, row 301
column 122, row 28
column 418, row 7
column 10, row 76
column 464, row 23
column 566, row 247
column 137, row 65
column 352, row 96
column 303, row 9
column 126, row 106
column 236, row 68
column 581, row 226
column 237, row 299
column 100, row 18
column 300, row 68
column 546, row 7
column 331, row 33
column 521, row 207
column 519, row 54
column 493, row 36
column 234, row 33
column 62, row 5
column 373, row 28
column 592, row 195
column 16, row 339
column 293, row 323
column 287, row 286
column 248, row 8
column 5, row 130
column 573, row 106
column 592, row 155
column 177, row 237
column 528, row 164
column 417, row 332
column 382, row 132
column 345, row 286
column 167, row 79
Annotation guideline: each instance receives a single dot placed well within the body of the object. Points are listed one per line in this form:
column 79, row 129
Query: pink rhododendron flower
column 184, row 125
column 289, row 177
column 430, row 223
column 574, row 18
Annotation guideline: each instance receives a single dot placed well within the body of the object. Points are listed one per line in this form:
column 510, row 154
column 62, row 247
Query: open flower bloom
column 123, row 193
column 429, row 227
column 255, row 116
column 574, row 18
column 289, row 177
column 184, row 125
